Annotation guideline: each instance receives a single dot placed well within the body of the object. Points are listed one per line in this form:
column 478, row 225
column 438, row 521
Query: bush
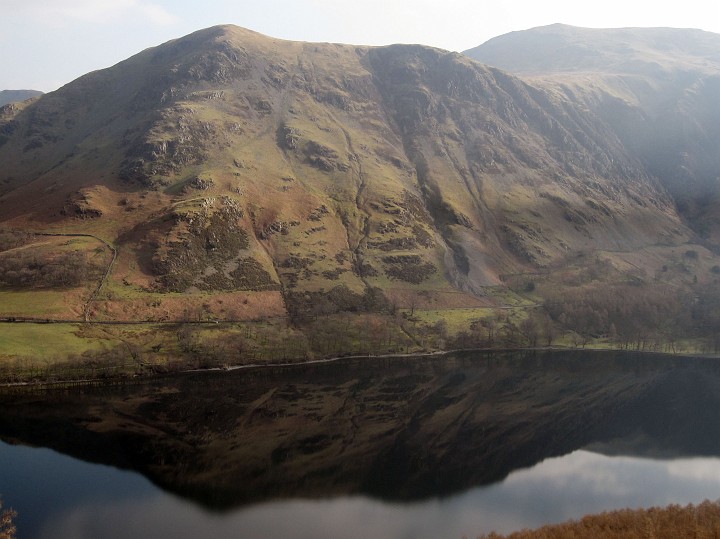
column 10, row 239
column 409, row 268
column 7, row 528
column 24, row 270
column 673, row 522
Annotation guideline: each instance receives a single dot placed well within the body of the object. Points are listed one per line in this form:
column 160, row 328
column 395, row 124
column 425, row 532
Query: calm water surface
column 441, row 448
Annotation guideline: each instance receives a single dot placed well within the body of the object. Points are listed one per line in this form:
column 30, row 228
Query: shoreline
column 119, row 380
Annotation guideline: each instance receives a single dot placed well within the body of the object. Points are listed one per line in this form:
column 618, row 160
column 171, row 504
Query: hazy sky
column 47, row 43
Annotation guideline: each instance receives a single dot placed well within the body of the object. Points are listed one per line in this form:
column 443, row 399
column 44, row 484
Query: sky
column 45, row 44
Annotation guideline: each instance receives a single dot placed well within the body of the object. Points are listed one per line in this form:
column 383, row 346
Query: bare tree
column 529, row 330
column 548, row 330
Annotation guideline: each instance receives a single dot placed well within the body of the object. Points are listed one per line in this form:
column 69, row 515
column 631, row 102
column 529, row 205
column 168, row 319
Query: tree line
column 639, row 316
column 65, row 270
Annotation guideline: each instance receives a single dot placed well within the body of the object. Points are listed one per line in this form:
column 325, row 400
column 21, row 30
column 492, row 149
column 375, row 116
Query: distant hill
column 560, row 48
column 657, row 88
column 12, row 96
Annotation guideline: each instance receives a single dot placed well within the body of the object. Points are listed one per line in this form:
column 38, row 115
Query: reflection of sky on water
column 59, row 497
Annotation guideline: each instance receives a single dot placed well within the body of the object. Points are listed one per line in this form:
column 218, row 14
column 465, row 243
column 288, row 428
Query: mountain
column 227, row 175
column 656, row 88
column 12, row 96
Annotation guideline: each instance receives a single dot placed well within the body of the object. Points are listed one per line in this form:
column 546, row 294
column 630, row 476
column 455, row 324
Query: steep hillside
column 228, row 161
column 308, row 200
column 657, row 89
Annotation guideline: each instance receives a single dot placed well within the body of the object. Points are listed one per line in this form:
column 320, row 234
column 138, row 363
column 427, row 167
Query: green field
column 49, row 342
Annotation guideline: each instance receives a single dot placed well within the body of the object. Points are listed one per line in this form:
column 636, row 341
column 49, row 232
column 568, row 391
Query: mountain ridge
column 241, row 177
column 571, row 52
column 223, row 64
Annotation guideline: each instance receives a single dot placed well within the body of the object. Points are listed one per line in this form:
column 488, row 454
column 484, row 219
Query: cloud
column 63, row 12
column 157, row 14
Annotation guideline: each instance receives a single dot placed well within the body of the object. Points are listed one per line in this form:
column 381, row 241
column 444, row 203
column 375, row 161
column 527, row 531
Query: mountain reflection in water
column 412, row 432
column 106, row 503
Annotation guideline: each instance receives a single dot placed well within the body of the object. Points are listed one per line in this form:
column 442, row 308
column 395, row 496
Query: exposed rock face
column 81, row 209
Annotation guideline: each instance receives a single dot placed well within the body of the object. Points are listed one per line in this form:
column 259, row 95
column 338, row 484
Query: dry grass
column 673, row 522
column 200, row 306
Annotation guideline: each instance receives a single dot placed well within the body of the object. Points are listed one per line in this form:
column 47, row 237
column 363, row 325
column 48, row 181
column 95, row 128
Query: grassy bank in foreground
column 673, row 522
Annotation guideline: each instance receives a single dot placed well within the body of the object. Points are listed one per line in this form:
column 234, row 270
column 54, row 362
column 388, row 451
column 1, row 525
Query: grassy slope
column 50, row 343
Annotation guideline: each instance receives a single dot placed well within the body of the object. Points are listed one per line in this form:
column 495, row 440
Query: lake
column 436, row 447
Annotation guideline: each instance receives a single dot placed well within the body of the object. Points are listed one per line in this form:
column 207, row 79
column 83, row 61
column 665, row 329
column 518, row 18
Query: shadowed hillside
column 656, row 87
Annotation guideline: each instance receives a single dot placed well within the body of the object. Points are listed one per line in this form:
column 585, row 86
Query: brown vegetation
column 11, row 239
column 231, row 305
column 632, row 315
column 7, row 528
column 673, row 522
column 638, row 315
column 28, row 270
column 410, row 268
column 303, row 306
